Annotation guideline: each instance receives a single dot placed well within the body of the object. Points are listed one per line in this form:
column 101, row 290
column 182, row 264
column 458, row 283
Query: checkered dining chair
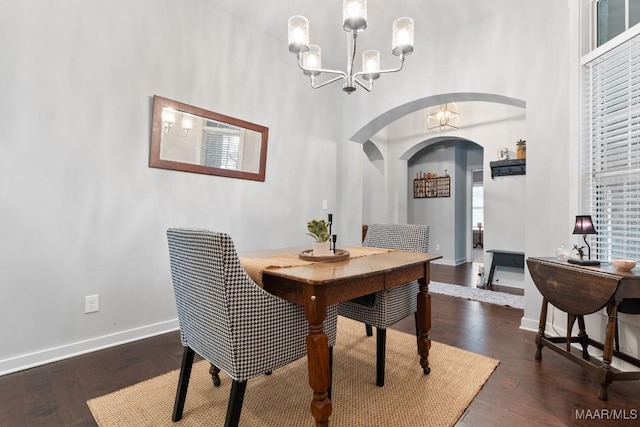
column 387, row 307
column 229, row 320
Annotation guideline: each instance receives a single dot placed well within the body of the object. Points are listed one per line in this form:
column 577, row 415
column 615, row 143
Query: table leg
column 541, row 327
column 606, row 376
column 571, row 320
column 424, row 320
column 584, row 338
column 315, row 308
column 492, row 270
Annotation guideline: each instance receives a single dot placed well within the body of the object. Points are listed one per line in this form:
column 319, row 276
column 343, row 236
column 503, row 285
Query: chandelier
column 443, row 116
column 354, row 13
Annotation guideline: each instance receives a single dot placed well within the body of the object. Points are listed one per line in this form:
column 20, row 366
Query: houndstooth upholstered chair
column 385, row 308
column 228, row 320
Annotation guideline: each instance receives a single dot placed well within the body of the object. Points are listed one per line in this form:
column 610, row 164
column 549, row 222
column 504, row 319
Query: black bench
column 504, row 259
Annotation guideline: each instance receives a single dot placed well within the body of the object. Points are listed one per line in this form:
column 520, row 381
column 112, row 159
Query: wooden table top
column 327, row 272
column 581, row 290
column 344, row 280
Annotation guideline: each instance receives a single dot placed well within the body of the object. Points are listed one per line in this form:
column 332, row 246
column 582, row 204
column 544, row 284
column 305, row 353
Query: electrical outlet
column 91, row 303
column 437, row 247
column 324, row 204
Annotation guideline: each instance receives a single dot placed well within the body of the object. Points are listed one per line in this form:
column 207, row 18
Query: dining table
column 318, row 285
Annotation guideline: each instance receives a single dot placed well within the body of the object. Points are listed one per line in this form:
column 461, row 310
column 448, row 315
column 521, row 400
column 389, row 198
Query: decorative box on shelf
column 431, row 187
column 508, row 167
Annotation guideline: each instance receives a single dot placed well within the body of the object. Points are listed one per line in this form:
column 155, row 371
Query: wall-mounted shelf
column 508, row 167
column 426, row 188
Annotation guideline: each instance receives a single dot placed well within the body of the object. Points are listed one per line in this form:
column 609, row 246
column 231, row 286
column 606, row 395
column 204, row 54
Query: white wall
column 82, row 213
column 438, row 213
column 513, row 55
column 489, row 125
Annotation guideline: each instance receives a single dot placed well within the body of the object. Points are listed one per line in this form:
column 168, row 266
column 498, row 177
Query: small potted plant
column 521, row 149
column 319, row 230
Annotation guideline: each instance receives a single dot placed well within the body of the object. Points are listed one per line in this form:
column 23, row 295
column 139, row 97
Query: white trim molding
column 31, row 360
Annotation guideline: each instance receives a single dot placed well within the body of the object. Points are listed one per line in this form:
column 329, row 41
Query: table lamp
column 584, row 226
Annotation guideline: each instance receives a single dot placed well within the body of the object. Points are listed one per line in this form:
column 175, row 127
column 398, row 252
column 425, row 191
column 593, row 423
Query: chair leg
column 369, row 330
column 236, row 397
column 183, row 383
column 381, row 344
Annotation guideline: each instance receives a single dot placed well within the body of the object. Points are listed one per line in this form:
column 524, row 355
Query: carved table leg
column 606, row 376
column 571, row 320
column 541, row 327
column 318, row 356
column 424, row 320
column 584, row 338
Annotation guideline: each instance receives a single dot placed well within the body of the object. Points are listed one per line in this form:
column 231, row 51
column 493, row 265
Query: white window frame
column 610, row 146
column 594, row 22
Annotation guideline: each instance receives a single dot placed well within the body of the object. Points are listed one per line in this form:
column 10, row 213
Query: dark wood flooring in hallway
column 521, row 392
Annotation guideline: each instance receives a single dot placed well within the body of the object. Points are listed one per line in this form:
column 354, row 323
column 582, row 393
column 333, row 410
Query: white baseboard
column 43, row 357
column 444, row 261
column 529, row 324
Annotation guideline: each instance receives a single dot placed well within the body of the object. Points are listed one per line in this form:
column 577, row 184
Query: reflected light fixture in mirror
column 191, row 139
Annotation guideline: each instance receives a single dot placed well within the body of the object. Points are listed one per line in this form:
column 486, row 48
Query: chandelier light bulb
column 371, row 64
column 402, row 43
column 298, row 34
column 312, row 59
column 354, row 15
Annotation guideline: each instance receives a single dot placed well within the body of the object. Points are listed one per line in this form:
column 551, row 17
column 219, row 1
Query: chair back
column 208, row 282
column 404, row 237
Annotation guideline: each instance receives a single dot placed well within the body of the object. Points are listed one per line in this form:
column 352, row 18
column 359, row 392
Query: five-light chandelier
column 354, row 13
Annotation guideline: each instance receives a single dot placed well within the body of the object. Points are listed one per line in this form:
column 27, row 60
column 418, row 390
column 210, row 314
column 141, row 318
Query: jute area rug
column 408, row 398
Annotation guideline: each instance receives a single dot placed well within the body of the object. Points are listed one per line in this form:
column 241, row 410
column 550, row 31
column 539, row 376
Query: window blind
column 220, row 147
column 610, row 150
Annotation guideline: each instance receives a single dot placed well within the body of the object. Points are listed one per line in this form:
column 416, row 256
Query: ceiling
column 432, row 19
column 325, row 16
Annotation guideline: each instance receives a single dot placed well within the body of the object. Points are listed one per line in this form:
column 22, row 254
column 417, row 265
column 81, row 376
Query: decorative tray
column 340, row 255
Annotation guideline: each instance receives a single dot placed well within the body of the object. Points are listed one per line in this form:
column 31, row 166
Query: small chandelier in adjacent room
column 443, row 117
column 354, row 13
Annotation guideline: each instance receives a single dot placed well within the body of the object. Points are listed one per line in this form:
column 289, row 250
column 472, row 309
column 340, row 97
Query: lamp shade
column 354, row 15
column 584, row 225
column 298, row 34
column 312, row 59
column 402, row 41
column 371, row 64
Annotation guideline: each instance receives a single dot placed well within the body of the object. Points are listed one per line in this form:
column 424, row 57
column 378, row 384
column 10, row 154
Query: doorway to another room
column 477, row 216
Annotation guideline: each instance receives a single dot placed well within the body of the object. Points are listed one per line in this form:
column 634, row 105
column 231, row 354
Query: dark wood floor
column 521, row 392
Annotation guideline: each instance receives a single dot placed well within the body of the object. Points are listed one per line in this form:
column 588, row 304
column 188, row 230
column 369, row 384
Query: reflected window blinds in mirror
column 190, row 139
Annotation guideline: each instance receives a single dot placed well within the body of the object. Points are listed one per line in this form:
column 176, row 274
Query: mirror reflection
column 190, row 139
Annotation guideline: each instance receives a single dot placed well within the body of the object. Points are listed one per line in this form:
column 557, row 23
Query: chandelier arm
column 335, row 79
column 362, row 85
column 391, row 70
column 319, row 70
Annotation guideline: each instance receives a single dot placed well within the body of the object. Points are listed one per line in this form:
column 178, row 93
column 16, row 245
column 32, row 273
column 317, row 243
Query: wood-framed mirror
column 191, row 139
